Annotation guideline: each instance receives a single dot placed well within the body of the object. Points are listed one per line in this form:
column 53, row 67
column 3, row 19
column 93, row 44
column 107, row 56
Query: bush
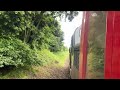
column 14, row 52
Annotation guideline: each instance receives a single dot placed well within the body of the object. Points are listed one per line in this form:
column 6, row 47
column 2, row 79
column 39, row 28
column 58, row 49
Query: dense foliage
column 14, row 52
column 22, row 33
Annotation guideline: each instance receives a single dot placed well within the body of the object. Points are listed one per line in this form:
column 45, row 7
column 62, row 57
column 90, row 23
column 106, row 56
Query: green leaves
column 23, row 32
column 14, row 52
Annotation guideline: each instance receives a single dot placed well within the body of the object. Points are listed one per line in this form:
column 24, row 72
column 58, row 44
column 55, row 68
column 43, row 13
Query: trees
column 30, row 30
column 32, row 27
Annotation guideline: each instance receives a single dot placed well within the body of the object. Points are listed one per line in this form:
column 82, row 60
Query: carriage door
column 112, row 57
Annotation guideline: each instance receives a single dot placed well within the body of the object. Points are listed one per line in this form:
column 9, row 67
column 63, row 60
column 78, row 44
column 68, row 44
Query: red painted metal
column 83, row 45
column 112, row 52
column 81, row 48
column 108, row 47
column 116, row 47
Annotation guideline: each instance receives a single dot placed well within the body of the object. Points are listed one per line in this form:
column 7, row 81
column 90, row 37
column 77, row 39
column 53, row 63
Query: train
column 94, row 52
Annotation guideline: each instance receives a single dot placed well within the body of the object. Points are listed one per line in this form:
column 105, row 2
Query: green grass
column 47, row 59
column 62, row 56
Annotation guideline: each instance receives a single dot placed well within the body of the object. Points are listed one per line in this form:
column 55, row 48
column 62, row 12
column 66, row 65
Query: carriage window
column 76, row 57
column 76, row 47
column 96, row 45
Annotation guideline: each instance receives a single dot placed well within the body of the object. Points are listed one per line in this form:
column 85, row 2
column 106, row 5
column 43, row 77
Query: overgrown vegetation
column 48, row 60
column 14, row 52
column 31, row 38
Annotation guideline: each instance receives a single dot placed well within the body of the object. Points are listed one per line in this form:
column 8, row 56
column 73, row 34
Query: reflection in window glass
column 76, row 57
column 96, row 45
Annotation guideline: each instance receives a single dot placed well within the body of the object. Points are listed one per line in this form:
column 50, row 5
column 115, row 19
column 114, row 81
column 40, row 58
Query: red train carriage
column 95, row 46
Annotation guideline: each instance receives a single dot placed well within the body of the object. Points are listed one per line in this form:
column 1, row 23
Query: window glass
column 76, row 57
column 76, row 47
column 96, row 45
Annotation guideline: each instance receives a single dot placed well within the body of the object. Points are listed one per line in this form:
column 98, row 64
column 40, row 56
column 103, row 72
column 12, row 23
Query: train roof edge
column 75, row 39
